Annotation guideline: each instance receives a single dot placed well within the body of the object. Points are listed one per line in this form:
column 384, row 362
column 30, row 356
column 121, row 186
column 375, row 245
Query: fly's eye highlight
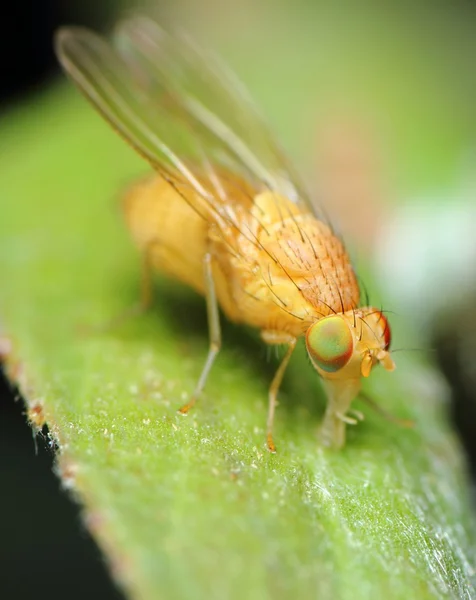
column 330, row 343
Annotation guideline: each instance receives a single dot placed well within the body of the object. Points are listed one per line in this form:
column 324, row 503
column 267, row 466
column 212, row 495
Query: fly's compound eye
column 330, row 343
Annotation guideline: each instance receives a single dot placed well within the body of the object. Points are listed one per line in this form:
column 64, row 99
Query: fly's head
column 343, row 348
column 347, row 345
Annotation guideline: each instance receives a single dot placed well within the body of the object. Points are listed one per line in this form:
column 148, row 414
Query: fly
column 225, row 213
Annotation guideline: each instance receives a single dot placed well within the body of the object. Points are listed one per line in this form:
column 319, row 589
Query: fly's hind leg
column 146, row 296
column 145, row 300
column 274, row 338
column 213, row 329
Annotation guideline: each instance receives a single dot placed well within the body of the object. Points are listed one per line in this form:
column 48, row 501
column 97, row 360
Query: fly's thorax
column 301, row 252
column 285, row 269
column 347, row 345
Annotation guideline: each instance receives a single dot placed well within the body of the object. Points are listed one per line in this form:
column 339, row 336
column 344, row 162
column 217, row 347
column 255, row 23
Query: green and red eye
column 330, row 343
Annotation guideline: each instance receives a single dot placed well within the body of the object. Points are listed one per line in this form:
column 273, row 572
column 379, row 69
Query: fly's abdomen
column 162, row 223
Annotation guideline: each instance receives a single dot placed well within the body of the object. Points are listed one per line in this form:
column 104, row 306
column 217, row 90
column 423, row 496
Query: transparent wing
column 179, row 109
column 107, row 81
column 212, row 96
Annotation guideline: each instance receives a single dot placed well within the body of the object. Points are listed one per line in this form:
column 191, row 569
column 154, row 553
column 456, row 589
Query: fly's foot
column 270, row 444
column 357, row 414
column 183, row 410
column 346, row 419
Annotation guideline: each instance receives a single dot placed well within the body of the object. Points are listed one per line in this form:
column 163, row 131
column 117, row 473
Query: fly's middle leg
column 274, row 338
column 214, row 332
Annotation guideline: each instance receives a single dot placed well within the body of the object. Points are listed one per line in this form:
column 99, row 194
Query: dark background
column 45, row 550
column 27, row 28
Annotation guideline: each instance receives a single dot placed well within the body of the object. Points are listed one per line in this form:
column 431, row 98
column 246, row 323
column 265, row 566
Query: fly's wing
column 143, row 121
column 180, row 110
column 214, row 100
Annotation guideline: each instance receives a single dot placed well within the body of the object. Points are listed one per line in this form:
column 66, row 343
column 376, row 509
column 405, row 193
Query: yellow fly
column 224, row 212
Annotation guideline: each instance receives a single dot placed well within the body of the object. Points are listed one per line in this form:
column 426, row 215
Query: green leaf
column 195, row 507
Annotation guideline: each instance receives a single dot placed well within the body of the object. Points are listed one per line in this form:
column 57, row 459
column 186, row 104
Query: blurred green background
column 375, row 102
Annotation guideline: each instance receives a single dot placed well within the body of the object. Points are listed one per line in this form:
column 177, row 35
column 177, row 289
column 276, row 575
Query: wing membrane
column 213, row 97
column 179, row 109
column 103, row 76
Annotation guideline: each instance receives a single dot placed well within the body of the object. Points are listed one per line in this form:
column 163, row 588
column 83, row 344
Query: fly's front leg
column 275, row 338
column 213, row 329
